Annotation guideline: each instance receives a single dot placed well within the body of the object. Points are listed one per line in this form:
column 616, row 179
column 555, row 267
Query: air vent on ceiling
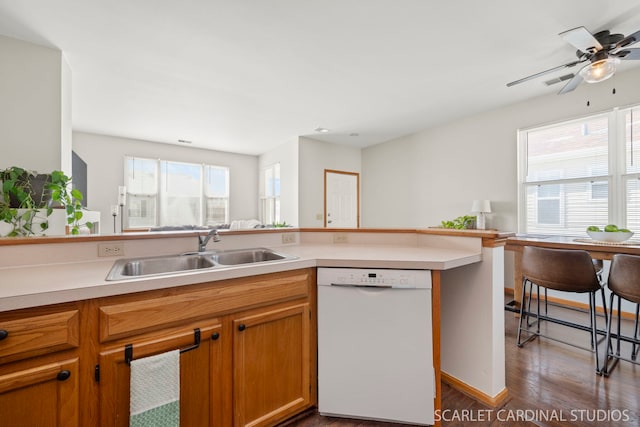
column 559, row 79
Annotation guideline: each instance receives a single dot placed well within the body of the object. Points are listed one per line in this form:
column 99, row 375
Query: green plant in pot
column 23, row 195
column 69, row 199
column 27, row 196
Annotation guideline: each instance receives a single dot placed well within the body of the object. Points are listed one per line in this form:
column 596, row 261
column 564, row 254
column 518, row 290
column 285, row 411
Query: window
column 571, row 174
column 270, row 201
column 165, row 193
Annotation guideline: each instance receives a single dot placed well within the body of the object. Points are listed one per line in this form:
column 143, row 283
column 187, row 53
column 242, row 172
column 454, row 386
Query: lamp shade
column 599, row 71
column 481, row 206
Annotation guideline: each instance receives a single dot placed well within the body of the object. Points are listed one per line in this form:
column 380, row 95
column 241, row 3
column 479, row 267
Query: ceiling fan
column 602, row 51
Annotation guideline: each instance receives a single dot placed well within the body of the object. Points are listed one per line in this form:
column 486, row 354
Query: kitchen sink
column 136, row 267
column 130, row 268
column 247, row 256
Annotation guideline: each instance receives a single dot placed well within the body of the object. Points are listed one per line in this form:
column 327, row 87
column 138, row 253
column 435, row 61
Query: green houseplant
column 27, row 196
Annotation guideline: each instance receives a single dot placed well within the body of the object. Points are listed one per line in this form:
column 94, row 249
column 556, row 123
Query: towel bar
column 128, row 349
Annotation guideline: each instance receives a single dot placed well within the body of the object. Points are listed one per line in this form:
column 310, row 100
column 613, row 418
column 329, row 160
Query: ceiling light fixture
column 321, row 130
column 600, row 69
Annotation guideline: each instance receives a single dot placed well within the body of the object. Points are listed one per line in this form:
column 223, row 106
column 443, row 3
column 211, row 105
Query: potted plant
column 68, row 198
column 23, row 194
column 27, row 196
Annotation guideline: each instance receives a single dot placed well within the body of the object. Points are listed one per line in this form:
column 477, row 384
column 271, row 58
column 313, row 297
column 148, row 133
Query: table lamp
column 481, row 207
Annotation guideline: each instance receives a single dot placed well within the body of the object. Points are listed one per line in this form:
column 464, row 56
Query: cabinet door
column 44, row 396
column 201, row 394
column 271, row 364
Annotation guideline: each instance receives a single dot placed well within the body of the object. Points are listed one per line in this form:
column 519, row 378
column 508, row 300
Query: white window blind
column 141, row 180
column 216, row 191
column 571, row 174
column 270, row 200
column 631, row 177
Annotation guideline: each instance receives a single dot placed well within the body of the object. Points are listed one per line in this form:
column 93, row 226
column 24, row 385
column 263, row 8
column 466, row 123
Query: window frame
column 160, row 218
column 271, row 202
column 616, row 178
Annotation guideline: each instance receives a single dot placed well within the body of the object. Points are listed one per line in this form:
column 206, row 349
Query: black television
column 79, row 176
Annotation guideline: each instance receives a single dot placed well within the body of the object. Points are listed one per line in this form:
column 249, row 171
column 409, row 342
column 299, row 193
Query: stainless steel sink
column 136, row 267
column 247, row 256
column 152, row 266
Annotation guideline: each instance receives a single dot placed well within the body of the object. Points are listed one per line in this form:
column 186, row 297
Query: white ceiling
column 248, row 75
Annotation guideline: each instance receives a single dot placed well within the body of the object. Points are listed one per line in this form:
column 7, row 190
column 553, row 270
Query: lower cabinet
column 271, row 365
column 253, row 365
column 43, row 395
column 201, row 385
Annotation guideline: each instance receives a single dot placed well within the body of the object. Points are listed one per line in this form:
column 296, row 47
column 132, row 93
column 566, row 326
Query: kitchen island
column 466, row 266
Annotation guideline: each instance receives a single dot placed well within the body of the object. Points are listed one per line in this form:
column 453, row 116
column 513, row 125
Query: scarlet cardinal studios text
column 568, row 415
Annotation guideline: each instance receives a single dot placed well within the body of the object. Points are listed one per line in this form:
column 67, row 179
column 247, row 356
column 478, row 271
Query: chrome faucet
column 202, row 241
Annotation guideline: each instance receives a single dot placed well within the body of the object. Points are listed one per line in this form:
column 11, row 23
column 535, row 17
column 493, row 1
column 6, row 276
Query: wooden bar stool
column 566, row 270
column 624, row 283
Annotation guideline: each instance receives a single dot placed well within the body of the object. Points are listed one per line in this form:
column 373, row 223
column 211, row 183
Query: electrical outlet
column 110, row 249
column 319, row 217
column 340, row 238
column 288, row 238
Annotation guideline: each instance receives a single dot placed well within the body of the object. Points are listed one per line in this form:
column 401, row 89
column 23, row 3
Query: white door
column 341, row 199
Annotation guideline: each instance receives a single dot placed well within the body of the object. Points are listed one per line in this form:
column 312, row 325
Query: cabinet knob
column 215, row 336
column 242, row 327
column 63, row 375
column 3, row 334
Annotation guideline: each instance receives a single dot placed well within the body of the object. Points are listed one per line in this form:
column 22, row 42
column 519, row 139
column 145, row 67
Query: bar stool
column 566, row 270
column 598, row 265
column 624, row 283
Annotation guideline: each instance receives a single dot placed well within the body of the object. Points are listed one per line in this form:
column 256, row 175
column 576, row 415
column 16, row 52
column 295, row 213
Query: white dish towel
column 155, row 391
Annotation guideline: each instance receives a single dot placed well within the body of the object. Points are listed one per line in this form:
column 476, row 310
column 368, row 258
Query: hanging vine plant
column 28, row 199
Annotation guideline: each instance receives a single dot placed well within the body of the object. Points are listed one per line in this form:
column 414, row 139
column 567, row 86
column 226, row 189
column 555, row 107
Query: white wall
column 31, row 97
column 104, row 156
column 66, row 138
column 315, row 157
column 421, row 179
column 287, row 155
column 424, row 178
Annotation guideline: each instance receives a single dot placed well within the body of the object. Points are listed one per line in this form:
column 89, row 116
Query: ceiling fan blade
column 581, row 39
column 627, row 54
column 542, row 73
column 571, row 84
column 630, row 39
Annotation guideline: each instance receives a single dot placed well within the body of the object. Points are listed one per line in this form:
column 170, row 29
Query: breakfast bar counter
column 597, row 250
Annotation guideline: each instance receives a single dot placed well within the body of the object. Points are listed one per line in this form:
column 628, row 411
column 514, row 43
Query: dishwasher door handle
column 359, row 285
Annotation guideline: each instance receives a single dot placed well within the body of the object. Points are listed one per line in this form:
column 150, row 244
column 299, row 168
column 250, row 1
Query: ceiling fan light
column 599, row 71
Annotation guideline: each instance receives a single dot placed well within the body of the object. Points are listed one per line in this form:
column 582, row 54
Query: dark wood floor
column 549, row 383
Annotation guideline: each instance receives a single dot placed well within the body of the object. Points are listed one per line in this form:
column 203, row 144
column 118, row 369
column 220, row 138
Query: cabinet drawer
column 32, row 335
column 142, row 315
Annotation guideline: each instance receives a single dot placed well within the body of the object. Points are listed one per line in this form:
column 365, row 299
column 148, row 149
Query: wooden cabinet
column 28, row 333
column 43, row 395
column 255, row 363
column 201, row 385
column 271, row 364
column 39, row 367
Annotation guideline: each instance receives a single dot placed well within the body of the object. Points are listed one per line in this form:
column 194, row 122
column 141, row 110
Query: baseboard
column 579, row 305
column 492, row 401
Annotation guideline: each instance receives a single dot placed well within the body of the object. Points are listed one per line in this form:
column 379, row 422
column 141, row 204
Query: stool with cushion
column 566, row 270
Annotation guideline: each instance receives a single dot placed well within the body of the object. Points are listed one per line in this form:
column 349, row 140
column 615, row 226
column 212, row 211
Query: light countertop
column 35, row 285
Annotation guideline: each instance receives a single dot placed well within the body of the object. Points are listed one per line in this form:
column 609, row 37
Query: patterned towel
column 155, row 391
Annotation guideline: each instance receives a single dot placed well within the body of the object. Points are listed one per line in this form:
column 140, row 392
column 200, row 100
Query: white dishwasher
column 375, row 349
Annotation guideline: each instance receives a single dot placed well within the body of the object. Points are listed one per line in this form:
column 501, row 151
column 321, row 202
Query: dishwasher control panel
column 383, row 278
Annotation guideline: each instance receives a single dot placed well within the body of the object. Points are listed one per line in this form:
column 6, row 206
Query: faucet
column 202, row 241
